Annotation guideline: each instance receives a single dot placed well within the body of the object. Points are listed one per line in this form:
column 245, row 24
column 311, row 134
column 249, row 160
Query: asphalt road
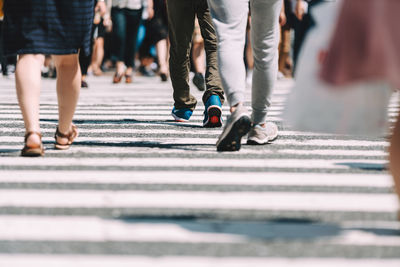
column 138, row 189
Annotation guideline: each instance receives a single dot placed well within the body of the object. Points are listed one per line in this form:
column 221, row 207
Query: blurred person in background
column 248, row 53
column 285, row 44
column 198, row 57
column 7, row 62
column 365, row 48
column 126, row 16
column 59, row 28
column 156, row 35
column 302, row 22
column 85, row 59
column 101, row 24
column 230, row 20
column 181, row 23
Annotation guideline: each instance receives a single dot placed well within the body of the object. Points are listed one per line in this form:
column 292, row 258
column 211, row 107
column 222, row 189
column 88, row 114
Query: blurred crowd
column 132, row 39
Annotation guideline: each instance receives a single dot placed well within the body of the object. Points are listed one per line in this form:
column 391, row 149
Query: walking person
column 181, row 20
column 365, row 48
column 157, row 35
column 126, row 16
column 33, row 29
column 86, row 59
column 230, row 20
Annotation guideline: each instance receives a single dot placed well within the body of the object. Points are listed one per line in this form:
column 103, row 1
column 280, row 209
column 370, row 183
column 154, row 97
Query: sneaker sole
column 257, row 142
column 253, row 142
column 214, row 117
column 178, row 119
column 232, row 141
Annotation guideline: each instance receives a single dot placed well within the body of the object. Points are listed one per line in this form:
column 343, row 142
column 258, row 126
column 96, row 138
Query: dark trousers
column 301, row 29
column 5, row 60
column 125, row 28
column 85, row 60
column 181, row 16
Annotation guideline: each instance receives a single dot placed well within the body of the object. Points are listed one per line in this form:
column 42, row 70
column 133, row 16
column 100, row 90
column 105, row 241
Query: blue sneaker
column 213, row 112
column 181, row 115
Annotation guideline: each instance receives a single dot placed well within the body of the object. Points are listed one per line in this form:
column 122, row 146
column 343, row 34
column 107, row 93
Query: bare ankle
column 33, row 140
column 233, row 108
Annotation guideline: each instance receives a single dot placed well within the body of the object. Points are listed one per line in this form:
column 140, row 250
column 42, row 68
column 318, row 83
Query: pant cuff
column 235, row 98
column 259, row 117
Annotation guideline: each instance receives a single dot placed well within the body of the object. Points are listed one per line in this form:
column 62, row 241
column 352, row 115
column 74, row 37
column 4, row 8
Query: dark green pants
column 181, row 17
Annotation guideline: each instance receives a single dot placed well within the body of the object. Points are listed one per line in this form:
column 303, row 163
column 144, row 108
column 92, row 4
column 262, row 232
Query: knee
column 66, row 62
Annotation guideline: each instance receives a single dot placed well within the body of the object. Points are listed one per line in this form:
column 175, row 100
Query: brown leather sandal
column 32, row 151
column 128, row 78
column 70, row 136
column 117, row 78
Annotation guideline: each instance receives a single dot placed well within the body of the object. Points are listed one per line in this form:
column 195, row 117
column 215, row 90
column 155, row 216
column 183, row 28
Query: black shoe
column 198, row 80
column 146, row 72
column 163, row 77
column 84, row 84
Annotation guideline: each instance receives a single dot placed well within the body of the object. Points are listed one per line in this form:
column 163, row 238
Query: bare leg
column 162, row 55
column 249, row 51
column 199, row 56
column 120, row 68
column 28, row 83
column 129, row 71
column 395, row 156
column 198, row 52
column 68, row 88
column 97, row 57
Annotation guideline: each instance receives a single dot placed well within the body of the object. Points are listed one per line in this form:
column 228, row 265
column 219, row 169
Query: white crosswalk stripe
column 138, row 189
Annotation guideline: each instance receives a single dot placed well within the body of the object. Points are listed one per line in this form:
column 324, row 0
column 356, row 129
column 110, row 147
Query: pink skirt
column 365, row 44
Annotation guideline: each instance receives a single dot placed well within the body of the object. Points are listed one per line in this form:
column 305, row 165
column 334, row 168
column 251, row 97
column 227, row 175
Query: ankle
column 233, row 108
column 33, row 140
column 263, row 125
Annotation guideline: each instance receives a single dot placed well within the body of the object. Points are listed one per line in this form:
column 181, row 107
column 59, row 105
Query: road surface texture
column 138, row 189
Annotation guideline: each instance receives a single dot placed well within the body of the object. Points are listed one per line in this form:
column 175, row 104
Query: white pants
column 230, row 20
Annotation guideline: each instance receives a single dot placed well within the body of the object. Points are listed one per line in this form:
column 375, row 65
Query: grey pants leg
column 230, row 18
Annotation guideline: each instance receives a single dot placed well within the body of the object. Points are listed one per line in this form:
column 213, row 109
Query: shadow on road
column 364, row 166
column 275, row 229
column 132, row 121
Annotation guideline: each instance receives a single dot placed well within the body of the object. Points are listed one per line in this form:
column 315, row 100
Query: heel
column 32, row 151
column 70, row 136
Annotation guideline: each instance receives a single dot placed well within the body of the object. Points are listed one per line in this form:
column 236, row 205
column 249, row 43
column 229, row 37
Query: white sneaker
column 260, row 136
column 237, row 125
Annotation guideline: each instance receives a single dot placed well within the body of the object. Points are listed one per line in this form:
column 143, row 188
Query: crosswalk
column 138, row 189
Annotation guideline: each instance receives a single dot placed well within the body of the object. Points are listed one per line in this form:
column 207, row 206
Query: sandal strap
column 70, row 135
column 31, row 133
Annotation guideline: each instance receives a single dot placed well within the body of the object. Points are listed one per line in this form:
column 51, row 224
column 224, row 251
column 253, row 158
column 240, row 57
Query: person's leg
column 28, row 83
column 118, row 41
column 265, row 40
column 198, row 58
column 198, row 53
column 395, row 157
column 162, row 56
column 285, row 62
column 213, row 80
column 2, row 61
column 181, row 24
column 133, row 18
column 300, row 31
column 68, row 88
column 84, row 62
column 230, row 20
column 98, row 55
column 249, row 54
